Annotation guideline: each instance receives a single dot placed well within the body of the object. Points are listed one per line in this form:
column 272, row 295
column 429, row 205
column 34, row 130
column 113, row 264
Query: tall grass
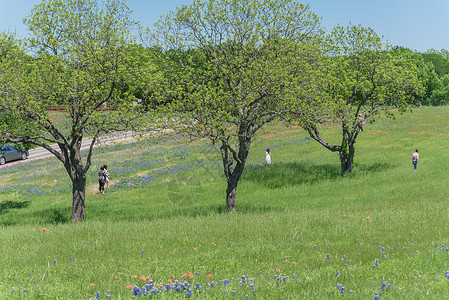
column 301, row 230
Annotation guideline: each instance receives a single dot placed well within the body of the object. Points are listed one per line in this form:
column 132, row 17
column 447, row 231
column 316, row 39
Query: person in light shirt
column 268, row 157
column 415, row 157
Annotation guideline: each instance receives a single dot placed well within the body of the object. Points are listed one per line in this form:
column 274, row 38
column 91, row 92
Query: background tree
column 226, row 63
column 363, row 78
column 77, row 57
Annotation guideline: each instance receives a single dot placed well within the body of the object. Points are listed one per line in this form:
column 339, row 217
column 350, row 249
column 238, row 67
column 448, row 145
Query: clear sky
column 415, row 24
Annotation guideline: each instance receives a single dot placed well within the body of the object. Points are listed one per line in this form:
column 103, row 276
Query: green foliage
column 364, row 80
column 433, row 69
column 80, row 52
column 227, row 64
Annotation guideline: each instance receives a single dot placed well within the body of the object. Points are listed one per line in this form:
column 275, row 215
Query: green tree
column 364, row 80
column 227, row 63
column 77, row 57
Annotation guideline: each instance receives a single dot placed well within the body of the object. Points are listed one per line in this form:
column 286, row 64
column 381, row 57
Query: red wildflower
column 278, row 270
column 213, row 244
column 129, row 285
column 92, row 284
column 209, row 276
column 42, row 230
column 143, row 277
column 190, row 275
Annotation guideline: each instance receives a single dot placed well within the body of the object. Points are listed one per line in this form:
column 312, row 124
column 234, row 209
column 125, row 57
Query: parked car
column 9, row 153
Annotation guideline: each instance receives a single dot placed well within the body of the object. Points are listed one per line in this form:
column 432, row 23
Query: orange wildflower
column 129, row 285
column 209, row 276
column 42, row 230
column 143, row 277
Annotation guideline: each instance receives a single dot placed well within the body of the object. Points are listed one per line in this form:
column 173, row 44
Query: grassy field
column 301, row 230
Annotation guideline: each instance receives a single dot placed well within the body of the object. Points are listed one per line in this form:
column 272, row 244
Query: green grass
column 169, row 198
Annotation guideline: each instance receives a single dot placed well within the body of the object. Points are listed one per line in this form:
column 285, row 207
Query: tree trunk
column 230, row 196
column 79, row 197
column 234, row 172
column 347, row 158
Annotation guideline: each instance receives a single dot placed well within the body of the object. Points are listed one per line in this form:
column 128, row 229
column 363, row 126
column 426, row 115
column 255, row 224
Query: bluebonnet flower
column 98, row 295
column 54, row 262
column 383, row 285
column 338, row 273
column 376, row 297
column 137, row 291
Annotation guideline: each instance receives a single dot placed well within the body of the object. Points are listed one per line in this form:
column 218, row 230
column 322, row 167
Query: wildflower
column 376, row 297
column 98, row 295
column 143, row 277
column 54, row 262
column 92, row 284
column 278, row 270
column 209, row 276
column 213, row 244
column 42, row 230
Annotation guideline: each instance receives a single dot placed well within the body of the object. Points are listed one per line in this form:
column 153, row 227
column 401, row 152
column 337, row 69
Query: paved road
column 40, row 152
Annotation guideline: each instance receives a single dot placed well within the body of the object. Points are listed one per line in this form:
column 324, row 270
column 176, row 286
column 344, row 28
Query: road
column 38, row 153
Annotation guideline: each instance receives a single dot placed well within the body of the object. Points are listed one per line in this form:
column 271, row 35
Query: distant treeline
column 433, row 70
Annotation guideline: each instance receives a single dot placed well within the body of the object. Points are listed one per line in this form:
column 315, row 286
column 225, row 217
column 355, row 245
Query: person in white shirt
column 268, row 157
column 415, row 157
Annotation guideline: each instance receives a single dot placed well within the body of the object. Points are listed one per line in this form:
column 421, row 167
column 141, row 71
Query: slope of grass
column 301, row 229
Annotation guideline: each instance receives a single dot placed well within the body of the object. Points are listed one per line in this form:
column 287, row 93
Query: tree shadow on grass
column 296, row 173
column 45, row 216
column 54, row 215
column 7, row 205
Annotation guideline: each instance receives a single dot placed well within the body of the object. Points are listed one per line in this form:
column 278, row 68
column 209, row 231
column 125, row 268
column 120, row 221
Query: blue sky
column 415, row 24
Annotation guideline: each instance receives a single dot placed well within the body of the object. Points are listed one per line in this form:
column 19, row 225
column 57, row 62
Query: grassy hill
column 301, row 230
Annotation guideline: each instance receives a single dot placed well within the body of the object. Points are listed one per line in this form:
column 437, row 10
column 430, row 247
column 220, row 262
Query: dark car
column 9, row 153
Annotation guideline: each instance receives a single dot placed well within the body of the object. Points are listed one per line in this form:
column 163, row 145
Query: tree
column 77, row 56
column 364, row 80
column 227, row 63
